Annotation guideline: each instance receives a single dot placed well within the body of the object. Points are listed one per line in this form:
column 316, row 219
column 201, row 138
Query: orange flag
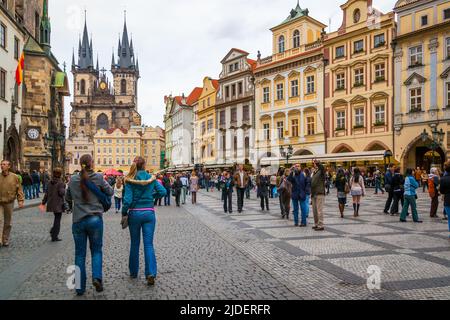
column 19, row 70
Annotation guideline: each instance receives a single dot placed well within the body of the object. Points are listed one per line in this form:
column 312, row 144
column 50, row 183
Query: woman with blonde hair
column 138, row 213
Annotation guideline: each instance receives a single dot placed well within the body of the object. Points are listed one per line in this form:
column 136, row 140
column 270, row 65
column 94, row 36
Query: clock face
column 33, row 134
column 103, row 86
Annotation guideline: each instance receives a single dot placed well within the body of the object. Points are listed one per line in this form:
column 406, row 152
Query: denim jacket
column 410, row 186
column 141, row 192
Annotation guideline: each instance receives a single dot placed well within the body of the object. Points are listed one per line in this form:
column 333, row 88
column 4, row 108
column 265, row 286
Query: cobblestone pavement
column 206, row 254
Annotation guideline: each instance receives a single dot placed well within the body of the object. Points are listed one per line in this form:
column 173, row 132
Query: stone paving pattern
column 206, row 254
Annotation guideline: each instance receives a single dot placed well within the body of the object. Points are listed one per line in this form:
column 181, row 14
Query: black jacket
column 397, row 183
column 26, row 180
column 35, row 178
column 444, row 189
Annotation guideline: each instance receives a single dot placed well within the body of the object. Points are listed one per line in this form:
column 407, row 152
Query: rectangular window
column 117, row 161
column 415, row 99
column 446, row 14
column 2, row 84
column 234, row 115
column 222, row 117
column 340, row 52
column 210, row 125
column 359, row 77
column 280, row 129
column 266, row 131
column 227, row 92
column 266, row 95
column 424, row 20
column 294, row 88
column 379, row 40
column 245, row 113
column 415, row 56
column 359, row 46
column 280, row 93
column 310, row 87
column 233, row 90
column 448, row 95
column 340, row 81
column 359, row 117
column 203, row 127
column 2, row 36
column 310, row 126
column 294, row 125
column 379, row 114
column 239, row 88
column 16, row 48
column 380, row 72
column 447, row 48
column 340, row 120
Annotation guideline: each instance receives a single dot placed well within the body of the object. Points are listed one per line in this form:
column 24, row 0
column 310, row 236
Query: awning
column 332, row 157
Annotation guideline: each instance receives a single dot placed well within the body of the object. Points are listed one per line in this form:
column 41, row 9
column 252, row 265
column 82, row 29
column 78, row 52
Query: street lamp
column 287, row 153
column 437, row 139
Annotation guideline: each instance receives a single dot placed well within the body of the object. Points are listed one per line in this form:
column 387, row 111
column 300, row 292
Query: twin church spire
column 126, row 56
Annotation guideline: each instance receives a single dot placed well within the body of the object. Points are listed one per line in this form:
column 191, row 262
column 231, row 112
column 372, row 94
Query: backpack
column 431, row 187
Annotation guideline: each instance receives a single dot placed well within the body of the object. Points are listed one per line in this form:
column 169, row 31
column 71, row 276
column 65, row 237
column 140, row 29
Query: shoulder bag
column 104, row 199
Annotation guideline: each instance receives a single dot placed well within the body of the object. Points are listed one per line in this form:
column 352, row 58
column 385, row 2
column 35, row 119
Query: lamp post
column 287, row 153
column 387, row 158
column 53, row 138
column 437, row 137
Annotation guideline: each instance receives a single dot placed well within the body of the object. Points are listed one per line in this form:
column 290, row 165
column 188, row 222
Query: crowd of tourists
column 88, row 195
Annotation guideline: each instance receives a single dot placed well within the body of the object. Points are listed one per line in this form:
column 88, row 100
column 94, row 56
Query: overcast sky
column 178, row 42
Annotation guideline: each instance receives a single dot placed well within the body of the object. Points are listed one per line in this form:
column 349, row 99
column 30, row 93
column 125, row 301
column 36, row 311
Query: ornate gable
column 415, row 78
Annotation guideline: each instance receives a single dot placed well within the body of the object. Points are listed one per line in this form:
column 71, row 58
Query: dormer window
column 281, row 47
column 234, row 67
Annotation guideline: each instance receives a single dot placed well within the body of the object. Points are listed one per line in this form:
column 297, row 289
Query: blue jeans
column 90, row 227
column 297, row 205
column 36, row 190
column 304, row 206
column 27, row 191
column 307, row 202
column 118, row 203
column 447, row 210
column 167, row 197
column 145, row 220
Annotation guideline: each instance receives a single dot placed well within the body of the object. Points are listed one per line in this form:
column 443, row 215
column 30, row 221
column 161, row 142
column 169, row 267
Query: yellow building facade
column 117, row 148
column 289, row 91
column 422, row 87
column 205, row 124
column 359, row 83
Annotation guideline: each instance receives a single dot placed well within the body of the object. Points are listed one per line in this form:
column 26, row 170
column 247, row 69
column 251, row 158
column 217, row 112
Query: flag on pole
column 19, row 70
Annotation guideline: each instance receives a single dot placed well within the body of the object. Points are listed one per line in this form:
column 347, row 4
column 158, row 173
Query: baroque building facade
column 422, row 86
column 205, row 124
column 358, row 83
column 289, row 91
column 235, row 110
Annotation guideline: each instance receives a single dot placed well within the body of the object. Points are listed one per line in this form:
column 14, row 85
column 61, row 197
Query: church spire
column 85, row 58
column 45, row 28
column 125, row 51
column 113, row 60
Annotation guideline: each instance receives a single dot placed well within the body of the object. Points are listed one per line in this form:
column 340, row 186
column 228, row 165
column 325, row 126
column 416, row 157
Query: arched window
column 83, row 87
column 102, row 122
column 281, row 44
column 296, row 39
column 123, row 87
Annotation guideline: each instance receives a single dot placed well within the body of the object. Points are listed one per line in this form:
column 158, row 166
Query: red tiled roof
column 193, row 97
column 111, row 130
column 241, row 51
column 215, row 83
column 252, row 63
column 178, row 99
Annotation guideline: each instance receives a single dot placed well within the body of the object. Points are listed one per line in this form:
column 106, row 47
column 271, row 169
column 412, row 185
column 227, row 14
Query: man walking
column 388, row 187
column 298, row 196
column 240, row 181
column 184, row 188
column 36, row 184
column 318, row 195
column 227, row 193
column 10, row 189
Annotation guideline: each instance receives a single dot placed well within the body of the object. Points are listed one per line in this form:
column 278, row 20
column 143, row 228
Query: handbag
column 124, row 221
column 104, row 199
column 347, row 188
